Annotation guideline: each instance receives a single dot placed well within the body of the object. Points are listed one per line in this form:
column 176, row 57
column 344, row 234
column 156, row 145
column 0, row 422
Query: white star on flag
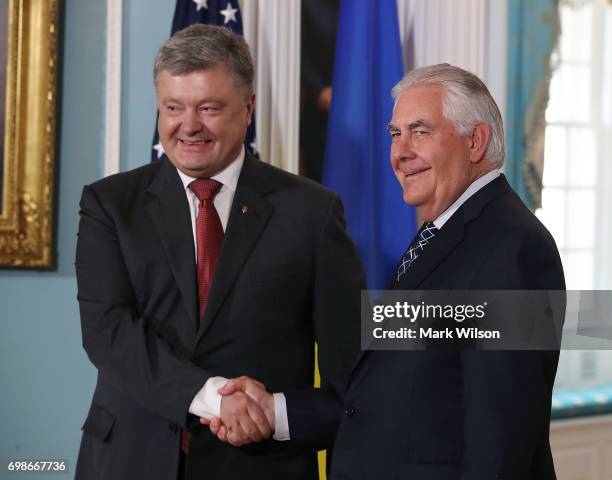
column 253, row 146
column 201, row 4
column 229, row 13
column 159, row 148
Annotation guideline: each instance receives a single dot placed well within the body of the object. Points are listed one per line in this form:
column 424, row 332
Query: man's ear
column 250, row 104
column 479, row 140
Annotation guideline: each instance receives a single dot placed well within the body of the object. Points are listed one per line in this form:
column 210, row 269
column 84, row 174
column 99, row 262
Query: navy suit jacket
column 443, row 414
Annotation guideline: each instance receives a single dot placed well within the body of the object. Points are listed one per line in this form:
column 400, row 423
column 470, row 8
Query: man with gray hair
column 202, row 266
column 438, row 414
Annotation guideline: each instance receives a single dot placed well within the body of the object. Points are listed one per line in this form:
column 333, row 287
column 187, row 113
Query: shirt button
column 173, row 428
column 349, row 411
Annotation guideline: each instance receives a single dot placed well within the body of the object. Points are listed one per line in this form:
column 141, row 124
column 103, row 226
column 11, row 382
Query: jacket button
column 349, row 411
column 173, row 428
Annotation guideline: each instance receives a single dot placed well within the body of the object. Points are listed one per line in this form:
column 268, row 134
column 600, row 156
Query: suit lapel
column 446, row 240
column 169, row 212
column 244, row 228
column 451, row 234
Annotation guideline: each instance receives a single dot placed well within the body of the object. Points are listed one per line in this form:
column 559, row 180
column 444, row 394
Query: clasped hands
column 247, row 413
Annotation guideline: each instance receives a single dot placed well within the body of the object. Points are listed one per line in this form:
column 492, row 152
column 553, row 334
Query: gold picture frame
column 27, row 189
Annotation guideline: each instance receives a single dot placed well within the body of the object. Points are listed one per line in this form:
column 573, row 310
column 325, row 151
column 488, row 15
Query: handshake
column 247, row 413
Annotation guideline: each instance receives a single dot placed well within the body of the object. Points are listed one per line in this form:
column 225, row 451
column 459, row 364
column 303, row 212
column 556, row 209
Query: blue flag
column 225, row 13
column 368, row 64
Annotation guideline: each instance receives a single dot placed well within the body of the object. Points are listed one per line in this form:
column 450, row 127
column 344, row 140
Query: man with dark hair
column 452, row 414
column 203, row 266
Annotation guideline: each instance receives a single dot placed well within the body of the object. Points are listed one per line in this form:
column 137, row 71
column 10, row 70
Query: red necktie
column 209, row 236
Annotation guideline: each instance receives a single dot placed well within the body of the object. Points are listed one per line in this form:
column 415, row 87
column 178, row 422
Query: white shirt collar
column 471, row 190
column 228, row 177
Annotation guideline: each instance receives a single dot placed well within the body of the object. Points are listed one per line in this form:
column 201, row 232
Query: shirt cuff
column 281, row 420
column 207, row 402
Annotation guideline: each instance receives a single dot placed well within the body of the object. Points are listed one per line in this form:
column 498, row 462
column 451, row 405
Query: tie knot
column 427, row 231
column 205, row 188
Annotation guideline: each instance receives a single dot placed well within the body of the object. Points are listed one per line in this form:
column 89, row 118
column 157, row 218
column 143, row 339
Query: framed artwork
column 28, row 87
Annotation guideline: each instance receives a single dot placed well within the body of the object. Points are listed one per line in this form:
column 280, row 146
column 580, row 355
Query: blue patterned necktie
column 423, row 237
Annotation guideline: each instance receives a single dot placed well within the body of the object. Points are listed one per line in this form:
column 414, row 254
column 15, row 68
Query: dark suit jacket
column 444, row 414
column 287, row 274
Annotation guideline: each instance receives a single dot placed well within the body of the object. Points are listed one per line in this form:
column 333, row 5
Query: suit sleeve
column 314, row 416
column 339, row 279
column 123, row 345
column 508, row 393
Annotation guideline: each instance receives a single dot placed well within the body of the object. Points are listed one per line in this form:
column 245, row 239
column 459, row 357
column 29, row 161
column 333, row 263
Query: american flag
column 225, row 13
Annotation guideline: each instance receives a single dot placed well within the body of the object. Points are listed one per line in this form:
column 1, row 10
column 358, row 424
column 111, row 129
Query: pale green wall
column 46, row 379
column 140, row 42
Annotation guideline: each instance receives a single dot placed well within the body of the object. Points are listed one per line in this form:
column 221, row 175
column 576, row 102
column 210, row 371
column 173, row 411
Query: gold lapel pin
column 244, row 209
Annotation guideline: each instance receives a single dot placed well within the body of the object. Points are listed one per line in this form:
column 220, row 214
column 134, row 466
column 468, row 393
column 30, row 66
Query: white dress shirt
column 207, row 402
column 280, row 404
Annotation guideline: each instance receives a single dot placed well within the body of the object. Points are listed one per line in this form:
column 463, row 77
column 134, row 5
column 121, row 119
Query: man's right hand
column 247, row 412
